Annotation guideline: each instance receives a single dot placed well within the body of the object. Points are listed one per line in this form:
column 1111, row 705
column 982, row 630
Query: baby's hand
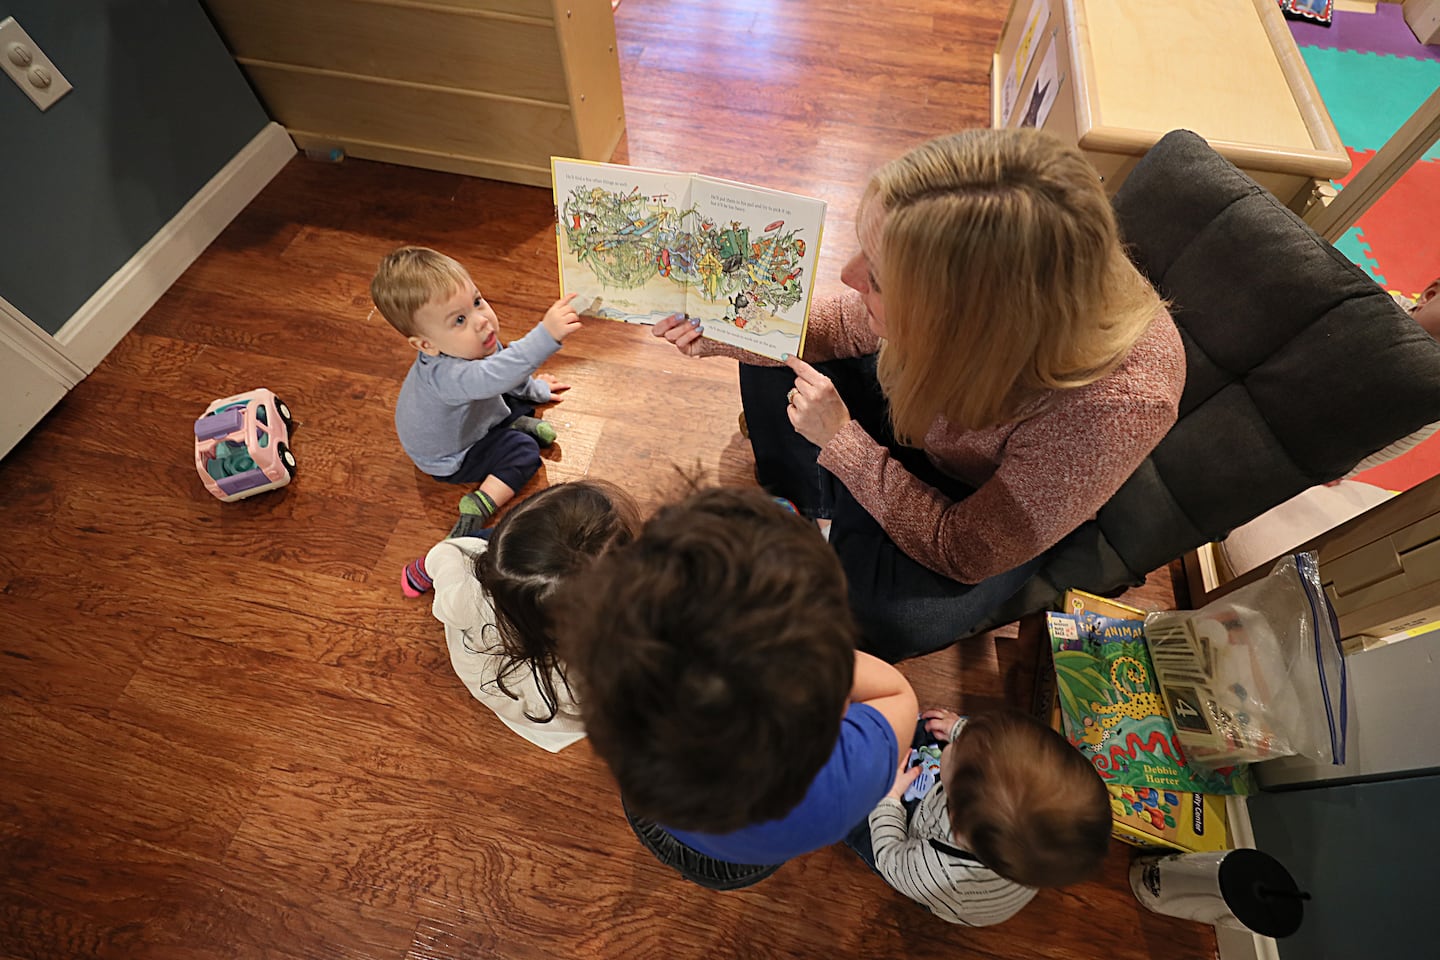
column 903, row 779
column 561, row 320
column 938, row 723
column 555, row 385
column 682, row 332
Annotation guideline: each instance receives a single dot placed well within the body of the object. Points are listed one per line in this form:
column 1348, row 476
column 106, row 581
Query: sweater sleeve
column 902, row 861
column 956, row 890
column 504, row 371
column 1054, row 474
column 837, row 329
column 536, row 391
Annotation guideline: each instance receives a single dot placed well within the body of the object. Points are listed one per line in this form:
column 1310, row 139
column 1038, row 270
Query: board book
column 639, row 245
column 1142, row 816
column 1169, row 819
column 1113, row 712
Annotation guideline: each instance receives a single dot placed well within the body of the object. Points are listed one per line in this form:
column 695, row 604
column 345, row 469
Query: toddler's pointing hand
column 561, row 320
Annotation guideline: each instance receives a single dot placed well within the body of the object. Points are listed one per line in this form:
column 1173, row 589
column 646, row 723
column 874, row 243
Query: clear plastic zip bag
column 1258, row 673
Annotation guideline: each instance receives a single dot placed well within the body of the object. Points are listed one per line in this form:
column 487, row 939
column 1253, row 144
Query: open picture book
column 640, row 245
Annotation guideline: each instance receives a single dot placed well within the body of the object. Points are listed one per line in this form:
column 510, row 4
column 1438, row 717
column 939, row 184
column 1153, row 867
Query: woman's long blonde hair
column 1003, row 279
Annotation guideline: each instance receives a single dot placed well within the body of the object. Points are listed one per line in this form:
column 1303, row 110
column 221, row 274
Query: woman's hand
column 903, row 779
column 682, row 332
column 816, row 411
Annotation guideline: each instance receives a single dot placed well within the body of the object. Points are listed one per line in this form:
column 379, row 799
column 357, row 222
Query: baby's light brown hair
column 1026, row 802
column 409, row 278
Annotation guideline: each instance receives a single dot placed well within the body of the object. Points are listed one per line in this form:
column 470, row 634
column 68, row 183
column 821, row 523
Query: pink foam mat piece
column 1400, row 229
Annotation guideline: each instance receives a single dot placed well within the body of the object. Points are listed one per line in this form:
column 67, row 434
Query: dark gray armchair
column 1298, row 367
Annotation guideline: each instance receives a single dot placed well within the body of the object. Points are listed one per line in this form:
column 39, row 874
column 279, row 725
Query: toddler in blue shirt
column 466, row 408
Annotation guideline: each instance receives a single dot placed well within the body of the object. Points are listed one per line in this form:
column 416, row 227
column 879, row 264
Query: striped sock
column 414, row 581
column 469, row 525
column 478, row 504
column 543, row 432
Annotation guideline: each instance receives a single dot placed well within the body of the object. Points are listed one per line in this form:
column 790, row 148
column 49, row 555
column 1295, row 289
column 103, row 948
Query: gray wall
column 1391, row 695
column 1366, row 852
column 158, row 108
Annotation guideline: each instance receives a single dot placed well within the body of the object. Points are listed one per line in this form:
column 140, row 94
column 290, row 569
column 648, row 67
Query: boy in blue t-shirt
column 715, row 665
column 465, row 411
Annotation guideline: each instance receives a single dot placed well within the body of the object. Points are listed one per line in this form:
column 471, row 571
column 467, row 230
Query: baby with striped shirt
column 1016, row 807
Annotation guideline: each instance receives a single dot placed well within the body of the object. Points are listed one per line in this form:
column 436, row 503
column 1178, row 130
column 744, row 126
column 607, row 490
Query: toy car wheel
column 284, row 412
column 287, row 458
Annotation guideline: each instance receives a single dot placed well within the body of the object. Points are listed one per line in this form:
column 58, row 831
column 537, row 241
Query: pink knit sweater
column 1036, row 480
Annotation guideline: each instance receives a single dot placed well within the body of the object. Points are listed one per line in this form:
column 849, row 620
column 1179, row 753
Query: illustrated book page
column 640, row 245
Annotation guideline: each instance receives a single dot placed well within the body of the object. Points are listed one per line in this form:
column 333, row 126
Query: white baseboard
column 34, row 374
column 26, row 338
column 121, row 301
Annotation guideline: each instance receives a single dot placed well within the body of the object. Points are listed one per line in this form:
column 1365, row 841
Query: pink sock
column 414, row 581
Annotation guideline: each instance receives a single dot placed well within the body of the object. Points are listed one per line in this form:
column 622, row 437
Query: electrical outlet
column 28, row 66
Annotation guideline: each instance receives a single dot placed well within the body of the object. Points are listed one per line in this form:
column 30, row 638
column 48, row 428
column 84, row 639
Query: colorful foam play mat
column 1373, row 74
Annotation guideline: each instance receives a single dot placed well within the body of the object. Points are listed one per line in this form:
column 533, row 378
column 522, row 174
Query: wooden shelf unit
column 1130, row 71
column 491, row 88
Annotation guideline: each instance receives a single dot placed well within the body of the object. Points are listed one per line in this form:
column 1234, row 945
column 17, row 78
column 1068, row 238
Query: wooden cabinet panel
column 530, row 8
column 503, row 55
column 423, row 118
column 1129, row 71
column 492, row 88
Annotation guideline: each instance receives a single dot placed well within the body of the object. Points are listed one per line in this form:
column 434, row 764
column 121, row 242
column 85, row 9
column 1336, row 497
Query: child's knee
column 517, row 460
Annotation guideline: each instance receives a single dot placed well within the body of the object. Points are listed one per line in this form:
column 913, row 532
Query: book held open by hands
column 640, row 245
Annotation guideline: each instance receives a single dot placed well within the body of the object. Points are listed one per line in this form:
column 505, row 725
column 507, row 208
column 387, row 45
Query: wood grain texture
column 484, row 89
column 430, row 45
column 224, row 733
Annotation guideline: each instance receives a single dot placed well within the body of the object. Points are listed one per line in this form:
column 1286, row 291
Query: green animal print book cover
column 1113, row 711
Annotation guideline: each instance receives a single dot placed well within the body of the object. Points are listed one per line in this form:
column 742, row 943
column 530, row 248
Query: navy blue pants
column 904, row 608
column 512, row 456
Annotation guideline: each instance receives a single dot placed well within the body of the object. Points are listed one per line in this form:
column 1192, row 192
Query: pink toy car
column 242, row 445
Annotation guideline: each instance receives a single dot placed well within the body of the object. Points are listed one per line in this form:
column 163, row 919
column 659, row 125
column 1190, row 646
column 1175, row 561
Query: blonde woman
column 998, row 371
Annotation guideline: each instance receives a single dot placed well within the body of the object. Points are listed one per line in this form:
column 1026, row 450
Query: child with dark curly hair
column 715, row 662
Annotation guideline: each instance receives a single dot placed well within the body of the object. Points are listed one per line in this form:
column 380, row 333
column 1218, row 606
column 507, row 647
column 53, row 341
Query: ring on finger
column 790, row 397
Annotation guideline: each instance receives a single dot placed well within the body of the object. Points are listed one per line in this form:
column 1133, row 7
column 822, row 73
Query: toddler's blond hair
column 409, row 278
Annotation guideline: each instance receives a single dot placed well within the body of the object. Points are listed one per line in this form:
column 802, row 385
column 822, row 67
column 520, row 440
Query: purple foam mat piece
column 1384, row 31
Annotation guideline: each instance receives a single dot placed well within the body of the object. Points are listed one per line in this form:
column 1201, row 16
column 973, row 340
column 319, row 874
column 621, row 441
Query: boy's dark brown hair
column 533, row 552
column 713, row 658
column 1026, row 802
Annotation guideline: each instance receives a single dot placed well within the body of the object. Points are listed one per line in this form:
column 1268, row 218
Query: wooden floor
column 225, row 734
